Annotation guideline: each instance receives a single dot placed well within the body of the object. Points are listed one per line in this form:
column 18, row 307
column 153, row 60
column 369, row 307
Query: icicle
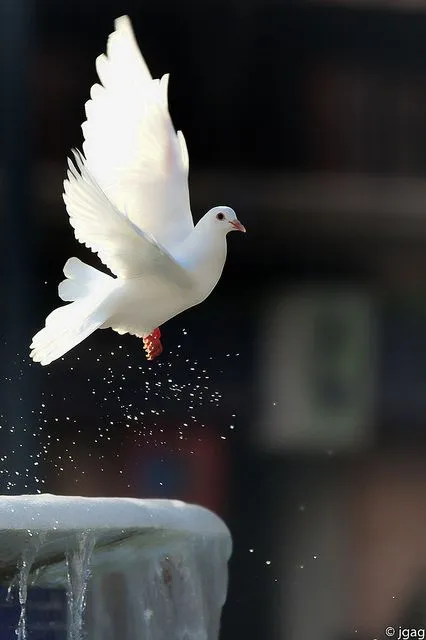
column 78, row 573
column 10, row 589
column 28, row 556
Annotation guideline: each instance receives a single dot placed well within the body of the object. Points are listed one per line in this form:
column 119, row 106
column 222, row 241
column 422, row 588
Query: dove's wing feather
column 131, row 147
column 124, row 248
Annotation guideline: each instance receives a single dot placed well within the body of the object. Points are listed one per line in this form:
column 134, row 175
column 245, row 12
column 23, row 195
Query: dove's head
column 223, row 220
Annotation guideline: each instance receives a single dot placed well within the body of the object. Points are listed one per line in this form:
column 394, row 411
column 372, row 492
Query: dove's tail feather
column 65, row 328
column 82, row 280
column 87, row 289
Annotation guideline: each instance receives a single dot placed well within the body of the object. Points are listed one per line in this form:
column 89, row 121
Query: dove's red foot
column 152, row 344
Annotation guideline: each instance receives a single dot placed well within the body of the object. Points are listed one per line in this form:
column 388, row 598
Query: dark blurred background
column 292, row 402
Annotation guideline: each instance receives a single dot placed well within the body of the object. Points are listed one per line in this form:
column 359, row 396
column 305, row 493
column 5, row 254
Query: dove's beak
column 238, row 226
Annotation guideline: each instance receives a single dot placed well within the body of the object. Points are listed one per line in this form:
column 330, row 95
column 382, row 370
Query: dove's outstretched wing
column 124, row 248
column 131, row 147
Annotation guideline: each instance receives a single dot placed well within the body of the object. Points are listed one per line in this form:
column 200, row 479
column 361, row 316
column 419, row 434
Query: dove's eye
column 220, row 216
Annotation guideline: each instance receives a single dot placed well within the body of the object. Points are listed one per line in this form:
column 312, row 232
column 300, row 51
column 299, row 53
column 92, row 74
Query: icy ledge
column 149, row 569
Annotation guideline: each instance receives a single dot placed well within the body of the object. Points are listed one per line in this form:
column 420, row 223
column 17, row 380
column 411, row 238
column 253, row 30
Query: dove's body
column 139, row 305
column 128, row 201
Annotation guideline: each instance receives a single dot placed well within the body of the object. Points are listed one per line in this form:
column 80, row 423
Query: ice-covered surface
column 47, row 511
column 151, row 569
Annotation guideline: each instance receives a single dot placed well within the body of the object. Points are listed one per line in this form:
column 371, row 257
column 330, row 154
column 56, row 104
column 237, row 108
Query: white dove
column 128, row 201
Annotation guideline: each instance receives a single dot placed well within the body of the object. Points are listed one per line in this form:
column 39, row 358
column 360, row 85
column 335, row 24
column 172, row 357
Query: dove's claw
column 152, row 344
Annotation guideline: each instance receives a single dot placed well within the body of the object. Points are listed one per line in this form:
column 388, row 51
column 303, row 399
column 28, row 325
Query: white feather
column 121, row 245
column 131, row 147
column 82, row 280
column 65, row 328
